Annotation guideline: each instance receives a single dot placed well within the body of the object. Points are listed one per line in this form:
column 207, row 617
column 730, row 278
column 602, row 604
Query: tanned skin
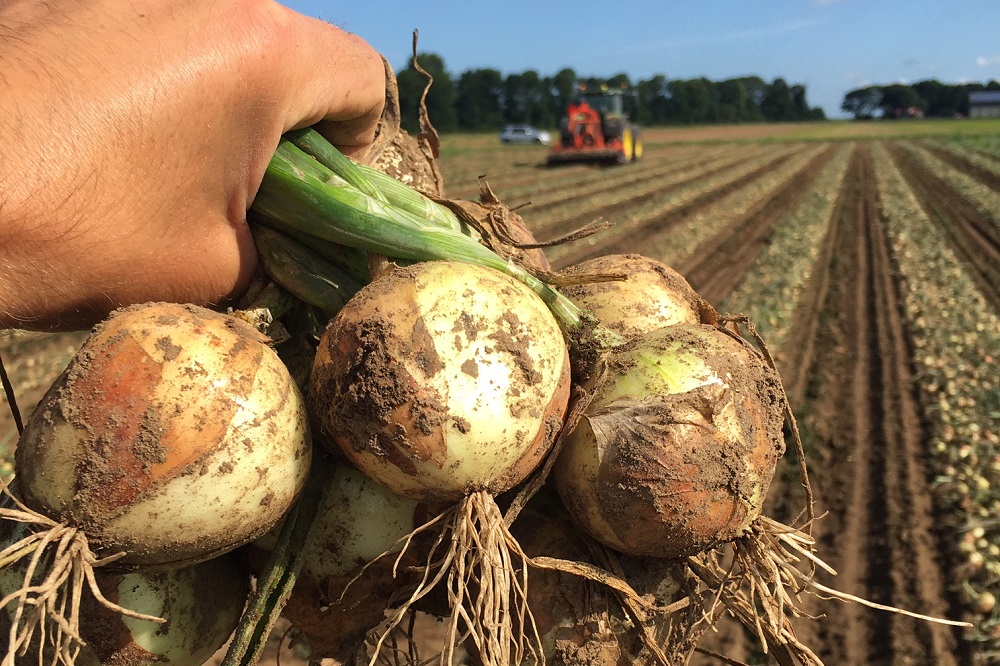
column 134, row 135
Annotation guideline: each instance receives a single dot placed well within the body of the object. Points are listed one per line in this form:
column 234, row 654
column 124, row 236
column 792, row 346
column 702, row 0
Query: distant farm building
column 984, row 104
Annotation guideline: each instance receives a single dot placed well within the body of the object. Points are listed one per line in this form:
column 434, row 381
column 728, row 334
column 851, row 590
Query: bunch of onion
column 174, row 435
column 733, row 406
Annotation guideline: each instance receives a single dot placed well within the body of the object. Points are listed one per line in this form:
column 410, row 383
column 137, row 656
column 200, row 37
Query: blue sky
column 830, row 46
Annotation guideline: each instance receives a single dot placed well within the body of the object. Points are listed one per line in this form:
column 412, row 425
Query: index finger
column 337, row 82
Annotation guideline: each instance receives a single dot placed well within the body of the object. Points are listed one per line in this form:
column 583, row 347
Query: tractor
column 599, row 126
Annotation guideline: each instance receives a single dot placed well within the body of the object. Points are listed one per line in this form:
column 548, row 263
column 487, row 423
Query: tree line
column 484, row 99
column 930, row 98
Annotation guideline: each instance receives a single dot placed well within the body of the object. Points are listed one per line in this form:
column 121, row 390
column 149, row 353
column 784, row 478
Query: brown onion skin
column 671, row 476
column 175, row 434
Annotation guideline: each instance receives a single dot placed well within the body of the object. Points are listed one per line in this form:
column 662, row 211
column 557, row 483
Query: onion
column 334, row 606
column 447, row 383
column 653, row 295
column 678, row 446
column 201, row 604
column 442, row 379
column 174, row 435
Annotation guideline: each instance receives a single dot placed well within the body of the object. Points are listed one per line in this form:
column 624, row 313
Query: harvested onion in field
column 677, row 449
column 447, row 383
column 175, row 434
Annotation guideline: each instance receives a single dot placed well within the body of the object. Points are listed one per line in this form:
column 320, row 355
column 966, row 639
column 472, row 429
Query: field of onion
column 871, row 269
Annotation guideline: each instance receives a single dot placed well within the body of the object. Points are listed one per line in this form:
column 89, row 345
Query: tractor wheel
column 636, row 145
column 626, row 154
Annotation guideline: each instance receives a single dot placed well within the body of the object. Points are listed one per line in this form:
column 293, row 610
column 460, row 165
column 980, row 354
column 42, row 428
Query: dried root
column 49, row 609
column 484, row 574
column 760, row 580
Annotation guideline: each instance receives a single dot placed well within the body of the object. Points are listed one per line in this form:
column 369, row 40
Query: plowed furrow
column 716, row 268
column 916, row 574
column 600, row 186
column 631, row 239
column 989, row 178
column 974, row 238
column 864, row 426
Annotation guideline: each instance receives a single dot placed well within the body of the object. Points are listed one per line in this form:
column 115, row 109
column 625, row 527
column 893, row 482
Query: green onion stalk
column 311, row 189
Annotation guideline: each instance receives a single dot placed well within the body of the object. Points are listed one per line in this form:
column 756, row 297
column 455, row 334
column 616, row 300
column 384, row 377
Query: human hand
column 135, row 134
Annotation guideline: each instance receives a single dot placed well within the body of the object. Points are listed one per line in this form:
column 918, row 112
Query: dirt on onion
column 175, row 434
column 678, row 447
column 448, row 383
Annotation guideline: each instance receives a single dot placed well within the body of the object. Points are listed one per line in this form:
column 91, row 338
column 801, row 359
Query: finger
column 340, row 83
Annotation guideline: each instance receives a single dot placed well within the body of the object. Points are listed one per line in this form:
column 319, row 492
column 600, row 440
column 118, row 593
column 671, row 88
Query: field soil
column 850, row 379
column 711, row 202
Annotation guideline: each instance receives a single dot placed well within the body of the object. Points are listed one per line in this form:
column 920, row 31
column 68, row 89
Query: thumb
column 336, row 82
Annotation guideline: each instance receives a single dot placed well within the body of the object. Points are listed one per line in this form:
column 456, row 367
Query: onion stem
column 296, row 196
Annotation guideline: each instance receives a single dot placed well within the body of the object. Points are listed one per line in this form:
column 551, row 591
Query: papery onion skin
column 442, row 379
column 174, row 435
column 677, row 450
column 653, row 295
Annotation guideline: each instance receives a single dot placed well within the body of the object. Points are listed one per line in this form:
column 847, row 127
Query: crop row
column 634, row 222
column 623, row 199
column 956, row 341
column 770, row 290
column 984, row 144
column 985, row 199
column 685, row 240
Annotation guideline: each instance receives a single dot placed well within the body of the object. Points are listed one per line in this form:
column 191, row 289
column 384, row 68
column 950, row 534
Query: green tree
column 734, row 101
column 692, row 101
column 527, row 99
column 653, row 100
column 777, row 104
column 862, row 103
column 563, row 88
column 939, row 100
column 478, row 101
column 620, row 80
column 897, row 99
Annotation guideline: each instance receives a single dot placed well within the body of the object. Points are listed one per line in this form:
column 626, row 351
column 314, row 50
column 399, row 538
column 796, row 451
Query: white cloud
column 825, row 3
column 988, row 61
column 734, row 36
